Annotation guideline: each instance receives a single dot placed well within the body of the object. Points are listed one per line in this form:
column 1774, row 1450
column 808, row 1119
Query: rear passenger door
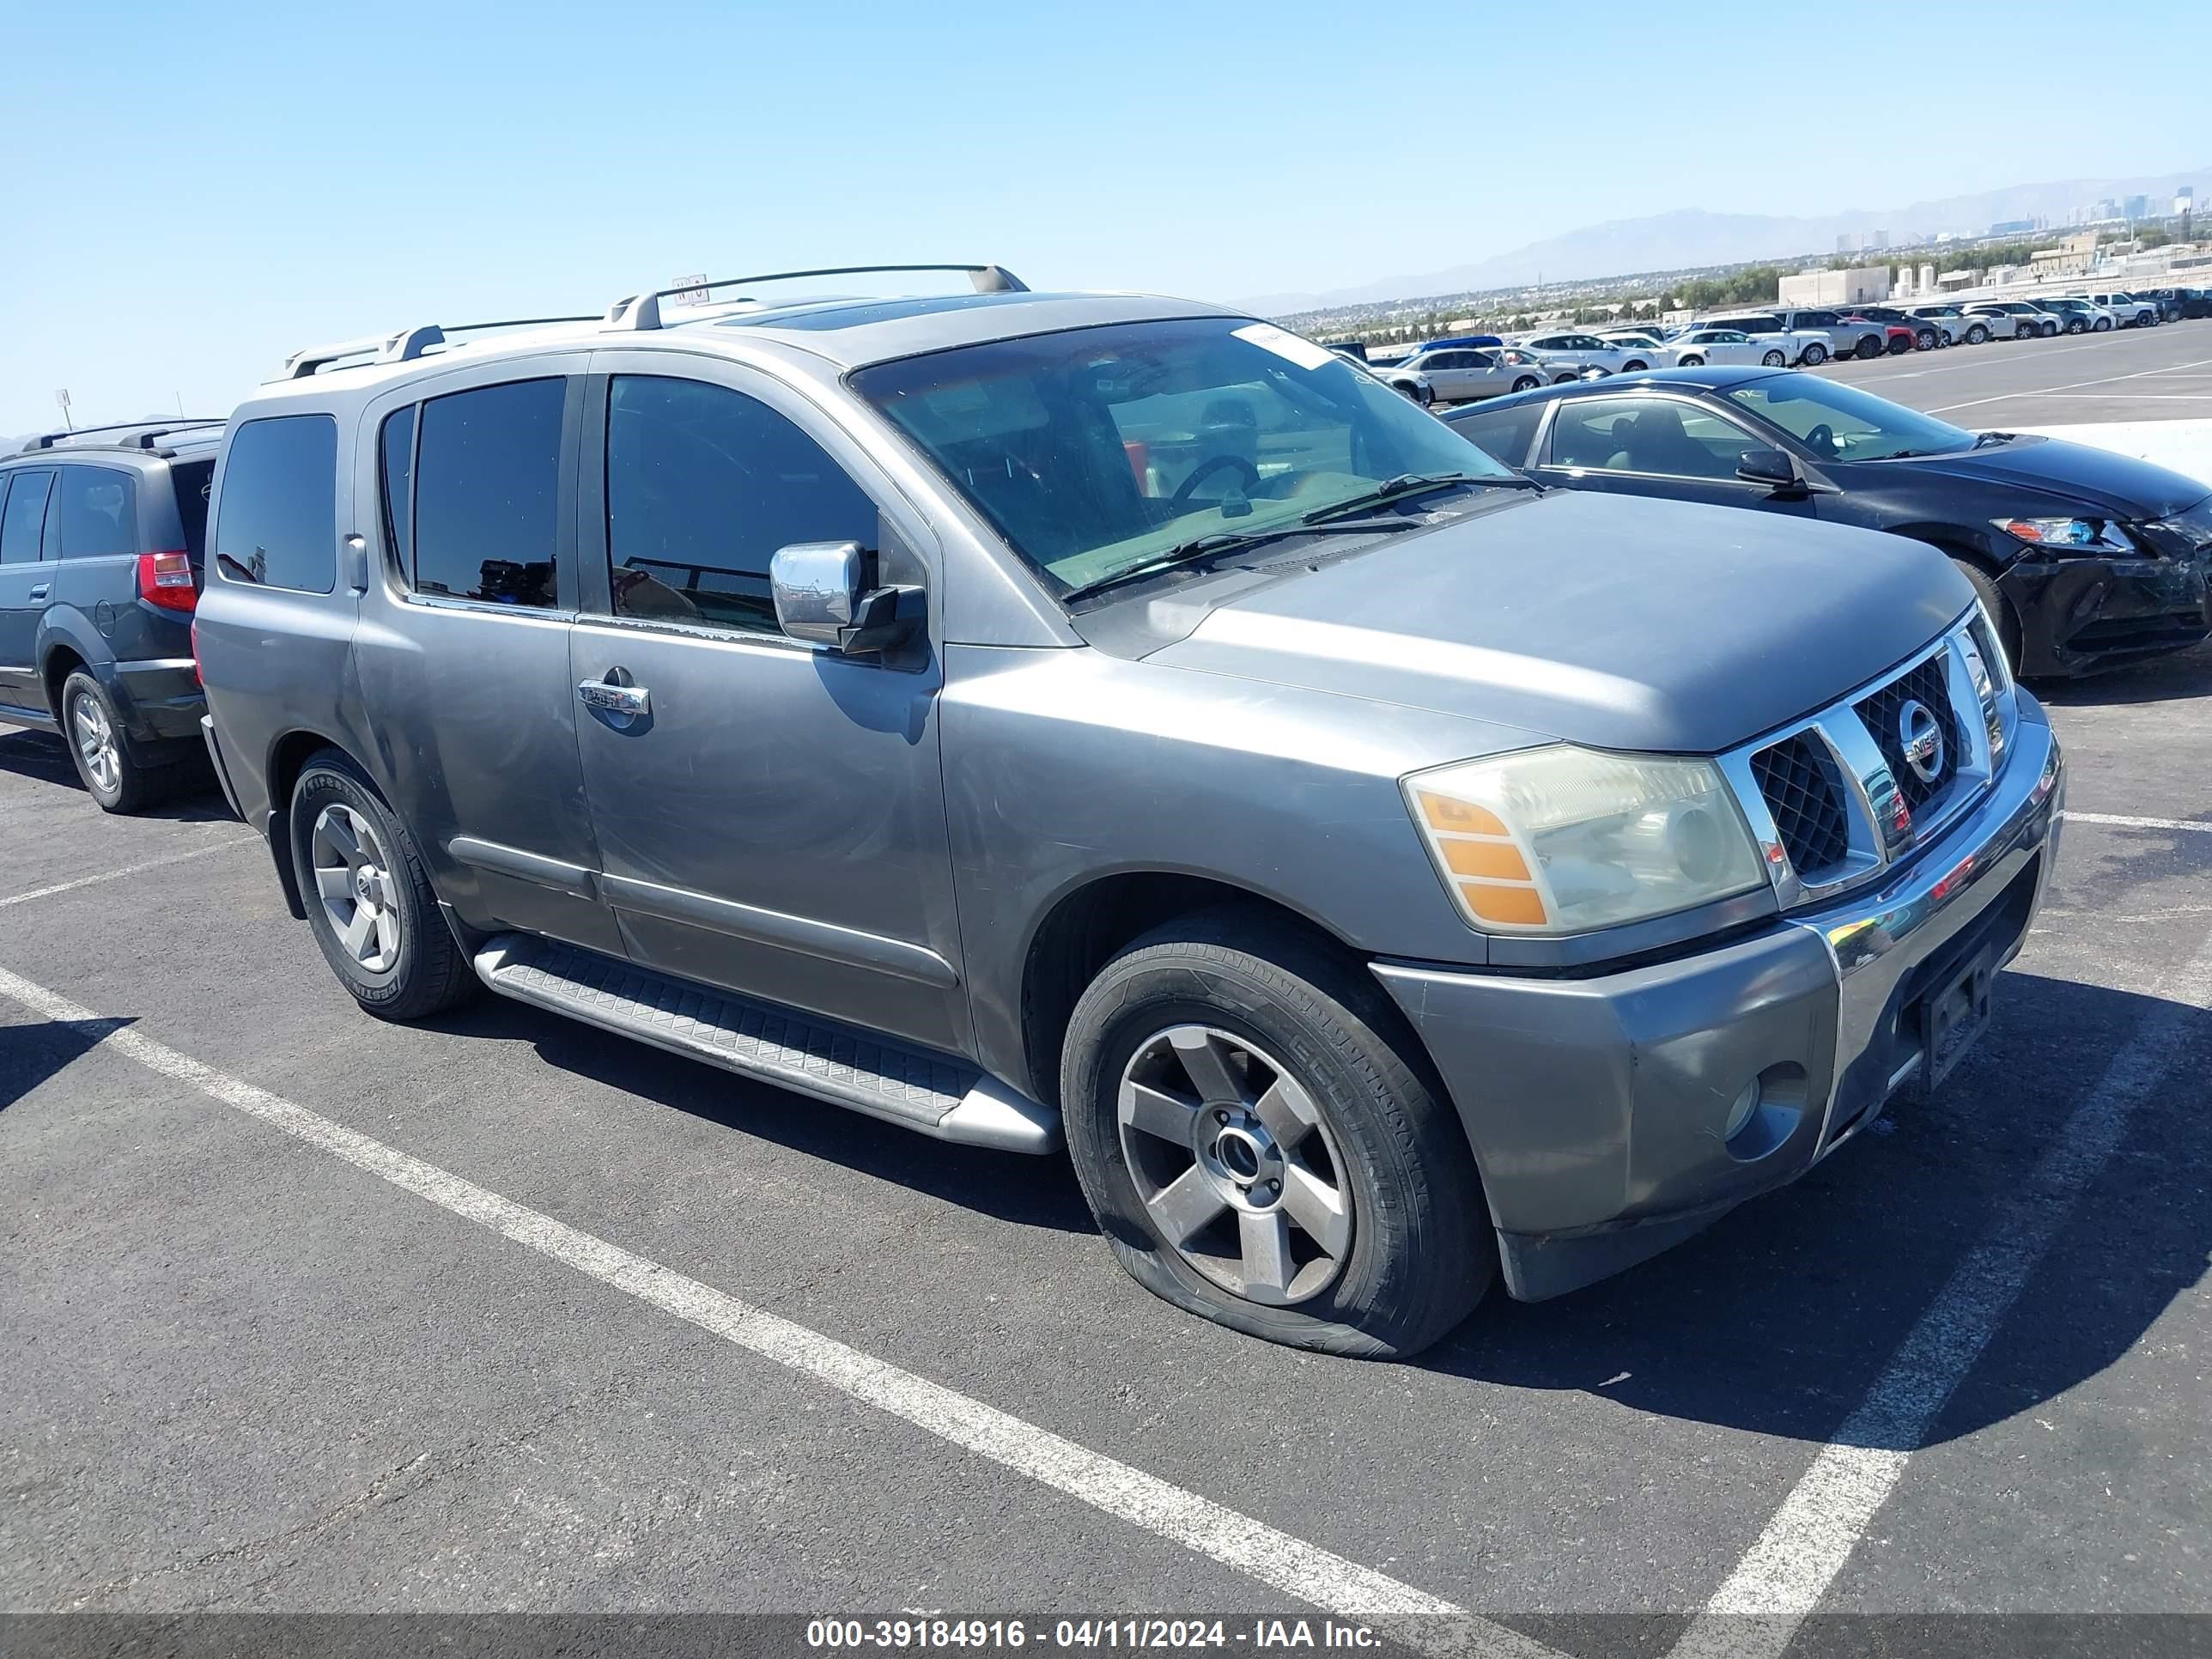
column 25, row 582
column 463, row 648
column 773, row 822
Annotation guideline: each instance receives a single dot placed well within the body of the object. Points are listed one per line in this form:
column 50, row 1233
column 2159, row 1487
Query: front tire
column 1928, row 339
column 107, row 764
column 2000, row 609
column 1978, row 335
column 1814, row 356
column 2076, row 326
column 1869, row 347
column 1692, row 361
column 1258, row 1150
column 369, row 900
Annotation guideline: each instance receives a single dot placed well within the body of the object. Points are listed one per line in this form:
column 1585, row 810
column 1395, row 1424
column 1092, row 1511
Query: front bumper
column 2078, row 614
column 1595, row 1106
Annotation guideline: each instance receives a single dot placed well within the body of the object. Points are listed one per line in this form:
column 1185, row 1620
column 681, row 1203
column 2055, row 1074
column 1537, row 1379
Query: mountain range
column 1688, row 238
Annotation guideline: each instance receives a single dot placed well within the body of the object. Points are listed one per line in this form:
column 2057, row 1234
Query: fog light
column 1740, row 1112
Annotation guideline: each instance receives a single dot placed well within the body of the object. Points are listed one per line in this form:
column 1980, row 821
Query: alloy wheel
column 354, row 880
column 94, row 736
column 1234, row 1166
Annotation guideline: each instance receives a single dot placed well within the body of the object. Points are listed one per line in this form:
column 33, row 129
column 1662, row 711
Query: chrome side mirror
column 824, row 595
column 818, row 587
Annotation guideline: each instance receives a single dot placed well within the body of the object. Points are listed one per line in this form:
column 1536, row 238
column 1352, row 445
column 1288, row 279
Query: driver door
column 773, row 822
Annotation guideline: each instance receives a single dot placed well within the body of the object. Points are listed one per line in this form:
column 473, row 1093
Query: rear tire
column 370, row 904
column 1635, row 367
column 1218, row 1016
column 108, row 764
column 1775, row 359
column 1527, row 383
column 1999, row 608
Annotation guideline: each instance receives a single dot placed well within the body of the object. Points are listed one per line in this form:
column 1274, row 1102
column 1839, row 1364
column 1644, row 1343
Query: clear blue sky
column 198, row 188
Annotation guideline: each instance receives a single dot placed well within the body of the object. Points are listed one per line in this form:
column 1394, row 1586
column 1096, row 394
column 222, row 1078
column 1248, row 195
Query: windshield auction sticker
column 1304, row 353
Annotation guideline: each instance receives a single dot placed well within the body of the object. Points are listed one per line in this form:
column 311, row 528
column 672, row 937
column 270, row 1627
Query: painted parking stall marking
column 1275, row 1559
column 1756, row 1612
column 140, row 868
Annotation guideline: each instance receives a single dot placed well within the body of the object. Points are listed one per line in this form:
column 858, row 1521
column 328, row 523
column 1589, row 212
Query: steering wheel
column 1214, row 464
column 1823, row 438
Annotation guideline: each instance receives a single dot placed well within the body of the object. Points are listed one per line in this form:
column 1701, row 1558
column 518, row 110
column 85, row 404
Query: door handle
column 40, row 592
column 627, row 700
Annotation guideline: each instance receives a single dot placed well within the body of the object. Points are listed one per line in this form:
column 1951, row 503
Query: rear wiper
column 1406, row 485
column 1229, row 541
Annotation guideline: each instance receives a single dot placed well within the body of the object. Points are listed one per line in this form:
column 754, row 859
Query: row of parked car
column 1466, row 368
column 1027, row 718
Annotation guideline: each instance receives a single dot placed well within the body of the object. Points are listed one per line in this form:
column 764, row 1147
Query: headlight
column 1565, row 840
column 2069, row 535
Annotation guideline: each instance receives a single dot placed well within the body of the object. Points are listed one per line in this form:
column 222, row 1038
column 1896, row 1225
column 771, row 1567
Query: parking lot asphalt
column 2162, row 373
column 306, row 1312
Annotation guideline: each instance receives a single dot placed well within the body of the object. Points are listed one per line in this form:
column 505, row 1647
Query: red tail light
column 166, row 580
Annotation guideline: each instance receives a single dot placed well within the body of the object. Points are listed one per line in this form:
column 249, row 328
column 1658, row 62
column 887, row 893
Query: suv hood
column 1617, row 622
column 2120, row 484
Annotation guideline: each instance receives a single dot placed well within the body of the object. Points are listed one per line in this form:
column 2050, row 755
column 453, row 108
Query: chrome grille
column 1802, row 786
column 1929, row 685
column 1833, row 799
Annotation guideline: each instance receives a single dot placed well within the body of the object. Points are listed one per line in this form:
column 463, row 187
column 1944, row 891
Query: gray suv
column 1020, row 715
column 99, row 571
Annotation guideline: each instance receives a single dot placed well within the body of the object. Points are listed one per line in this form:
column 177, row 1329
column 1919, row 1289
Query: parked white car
column 1459, row 375
column 2127, row 310
column 1958, row 327
column 1410, row 382
column 1637, row 340
column 1799, row 346
column 1700, row 346
column 1587, row 351
column 2015, row 320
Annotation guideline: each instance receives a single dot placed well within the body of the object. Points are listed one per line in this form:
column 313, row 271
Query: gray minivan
column 1018, row 716
column 100, row 570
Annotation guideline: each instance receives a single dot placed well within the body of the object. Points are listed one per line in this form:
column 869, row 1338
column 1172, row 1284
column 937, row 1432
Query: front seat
column 1660, row 445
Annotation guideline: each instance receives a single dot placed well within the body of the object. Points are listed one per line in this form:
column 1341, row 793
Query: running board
column 912, row 1087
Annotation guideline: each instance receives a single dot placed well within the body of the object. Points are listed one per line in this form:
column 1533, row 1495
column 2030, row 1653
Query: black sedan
column 2085, row 559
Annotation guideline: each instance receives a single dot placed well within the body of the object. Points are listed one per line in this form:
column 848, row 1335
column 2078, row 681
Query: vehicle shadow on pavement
column 1029, row 1192
column 1778, row 1318
column 2161, row 679
column 195, row 797
column 30, row 1053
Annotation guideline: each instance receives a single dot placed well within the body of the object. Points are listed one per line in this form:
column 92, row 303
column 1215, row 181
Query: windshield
column 1840, row 422
column 1095, row 451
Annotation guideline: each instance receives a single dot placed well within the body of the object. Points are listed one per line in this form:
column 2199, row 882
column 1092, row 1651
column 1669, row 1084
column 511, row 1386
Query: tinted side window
column 1646, row 434
column 487, row 490
column 190, row 480
column 398, row 458
column 24, row 517
column 703, row 485
column 279, row 517
column 1502, row 434
column 99, row 512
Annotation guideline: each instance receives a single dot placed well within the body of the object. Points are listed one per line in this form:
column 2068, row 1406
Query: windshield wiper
column 1406, row 485
column 1229, row 541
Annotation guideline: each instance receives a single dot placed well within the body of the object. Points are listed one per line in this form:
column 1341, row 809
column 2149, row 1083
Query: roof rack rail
column 641, row 310
column 49, row 440
column 404, row 345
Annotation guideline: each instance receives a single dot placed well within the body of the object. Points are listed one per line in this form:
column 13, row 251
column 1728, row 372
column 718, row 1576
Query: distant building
column 2185, row 199
column 1847, row 245
column 2012, row 228
column 1862, row 285
column 2136, row 207
column 2072, row 257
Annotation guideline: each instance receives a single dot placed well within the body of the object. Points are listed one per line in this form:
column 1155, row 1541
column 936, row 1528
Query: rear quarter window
column 99, row 512
column 277, row 518
column 1503, row 434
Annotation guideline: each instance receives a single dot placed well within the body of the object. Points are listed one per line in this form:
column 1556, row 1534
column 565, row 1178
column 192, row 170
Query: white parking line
column 1983, row 362
column 1276, row 1559
column 224, row 845
column 2115, row 820
column 1755, row 1615
column 2102, row 380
